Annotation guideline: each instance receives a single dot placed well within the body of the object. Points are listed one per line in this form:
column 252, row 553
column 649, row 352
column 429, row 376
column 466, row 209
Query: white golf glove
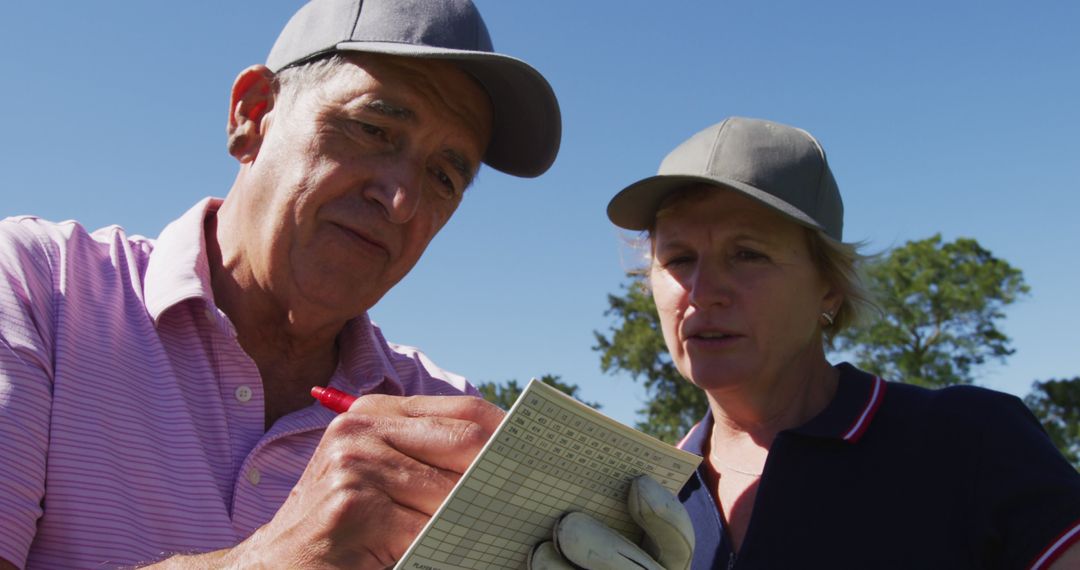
column 581, row 541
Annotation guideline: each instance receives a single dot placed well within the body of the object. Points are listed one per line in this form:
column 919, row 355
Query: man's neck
column 291, row 357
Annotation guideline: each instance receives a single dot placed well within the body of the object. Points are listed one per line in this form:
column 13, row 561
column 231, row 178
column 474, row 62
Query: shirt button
column 211, row 315
column 243, row 393
column 254, row 476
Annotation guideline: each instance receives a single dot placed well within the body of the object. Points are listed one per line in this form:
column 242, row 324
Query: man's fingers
column 443, row 431
column 384, row 467
column 588, row 543
column 445, row 443
column 403, row 449
column 329, row 521
column 469, row 408
column 669, row 534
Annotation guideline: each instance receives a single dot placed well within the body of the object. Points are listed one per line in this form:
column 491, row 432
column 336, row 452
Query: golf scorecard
column 551, row 454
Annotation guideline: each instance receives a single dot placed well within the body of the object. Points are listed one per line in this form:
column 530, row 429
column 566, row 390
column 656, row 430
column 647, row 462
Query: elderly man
column 154, row 395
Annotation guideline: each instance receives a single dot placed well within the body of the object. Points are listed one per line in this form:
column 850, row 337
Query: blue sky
column 957, row 117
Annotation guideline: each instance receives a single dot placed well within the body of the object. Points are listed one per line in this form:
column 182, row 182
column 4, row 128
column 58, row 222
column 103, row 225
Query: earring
column 828, row 318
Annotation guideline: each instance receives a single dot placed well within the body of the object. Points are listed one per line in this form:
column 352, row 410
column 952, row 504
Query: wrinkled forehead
column 445, row 86
column 434, row 94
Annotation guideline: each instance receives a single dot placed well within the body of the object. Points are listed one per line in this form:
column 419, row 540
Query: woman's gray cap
column 777, row 165
column 527, row 125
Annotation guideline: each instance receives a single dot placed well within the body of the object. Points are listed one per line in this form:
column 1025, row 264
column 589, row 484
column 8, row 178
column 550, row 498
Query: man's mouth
column 365, row 240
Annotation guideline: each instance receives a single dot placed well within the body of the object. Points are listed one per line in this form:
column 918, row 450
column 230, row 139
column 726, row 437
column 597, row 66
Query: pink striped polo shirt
column 131, row 421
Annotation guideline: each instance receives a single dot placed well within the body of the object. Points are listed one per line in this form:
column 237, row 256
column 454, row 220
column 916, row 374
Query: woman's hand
column 587, row 543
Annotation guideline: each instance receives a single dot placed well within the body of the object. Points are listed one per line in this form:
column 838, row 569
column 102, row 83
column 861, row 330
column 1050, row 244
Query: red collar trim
column 1057, row 548
column 856, row 431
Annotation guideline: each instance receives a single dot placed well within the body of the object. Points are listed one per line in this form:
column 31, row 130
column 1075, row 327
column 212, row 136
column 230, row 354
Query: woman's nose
column 711, row 284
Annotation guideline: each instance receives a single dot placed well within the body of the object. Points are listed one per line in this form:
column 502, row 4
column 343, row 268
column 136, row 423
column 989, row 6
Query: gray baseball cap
column 780, row 166
column 527, row 125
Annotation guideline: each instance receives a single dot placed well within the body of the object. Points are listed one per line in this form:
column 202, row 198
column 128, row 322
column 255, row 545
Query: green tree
column 1057, row 405
column 941, row 303
column 504, row 395
column 636, row 345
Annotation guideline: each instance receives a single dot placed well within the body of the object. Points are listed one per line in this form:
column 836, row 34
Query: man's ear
column 252, row 98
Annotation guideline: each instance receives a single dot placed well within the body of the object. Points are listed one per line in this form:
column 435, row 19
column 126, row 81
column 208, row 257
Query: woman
column 809, row 464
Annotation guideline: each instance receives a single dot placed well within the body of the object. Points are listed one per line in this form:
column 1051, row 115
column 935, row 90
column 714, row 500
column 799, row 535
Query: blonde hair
column 839, row 264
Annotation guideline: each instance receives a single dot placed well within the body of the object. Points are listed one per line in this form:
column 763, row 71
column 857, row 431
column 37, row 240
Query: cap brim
column 527, row 124
column 634, row 208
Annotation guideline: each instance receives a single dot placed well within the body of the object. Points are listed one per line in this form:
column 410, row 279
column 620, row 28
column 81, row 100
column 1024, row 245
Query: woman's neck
column 751, row 416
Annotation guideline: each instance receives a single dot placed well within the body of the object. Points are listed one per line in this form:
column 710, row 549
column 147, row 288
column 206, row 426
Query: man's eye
column 445, row 181
column 369, row 129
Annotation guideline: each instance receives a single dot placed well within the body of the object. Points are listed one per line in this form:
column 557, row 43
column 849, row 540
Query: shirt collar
column 695, row 439
column 846, row 418
column 364, row 367
column 178, row 269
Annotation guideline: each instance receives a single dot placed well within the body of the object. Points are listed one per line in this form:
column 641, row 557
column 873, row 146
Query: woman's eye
column 677, row 260
column 750, row 255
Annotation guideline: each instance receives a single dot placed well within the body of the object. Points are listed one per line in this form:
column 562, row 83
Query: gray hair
column 291, row 81
column 288, row 83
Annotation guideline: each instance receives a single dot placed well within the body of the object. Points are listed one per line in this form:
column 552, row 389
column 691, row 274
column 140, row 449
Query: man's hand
column 585, row 542
column 379, row 473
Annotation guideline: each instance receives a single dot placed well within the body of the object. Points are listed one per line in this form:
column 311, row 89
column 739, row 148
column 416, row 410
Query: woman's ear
column 252, row 98
column 832, row 301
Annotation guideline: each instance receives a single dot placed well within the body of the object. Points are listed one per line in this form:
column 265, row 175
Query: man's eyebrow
column 388, row 109
column 460, row 164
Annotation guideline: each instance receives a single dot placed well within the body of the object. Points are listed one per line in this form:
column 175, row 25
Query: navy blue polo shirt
column 892, row 475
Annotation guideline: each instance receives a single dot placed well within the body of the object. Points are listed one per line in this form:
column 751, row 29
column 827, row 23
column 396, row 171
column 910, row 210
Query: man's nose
column 397, row 187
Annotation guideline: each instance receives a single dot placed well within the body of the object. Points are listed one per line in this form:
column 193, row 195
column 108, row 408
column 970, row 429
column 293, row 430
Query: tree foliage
column 504, row 395
column 1057, row 405
column 636, row 345
column 941, row 303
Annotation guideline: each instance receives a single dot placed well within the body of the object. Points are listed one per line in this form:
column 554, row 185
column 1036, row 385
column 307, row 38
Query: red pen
column 335, row 400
